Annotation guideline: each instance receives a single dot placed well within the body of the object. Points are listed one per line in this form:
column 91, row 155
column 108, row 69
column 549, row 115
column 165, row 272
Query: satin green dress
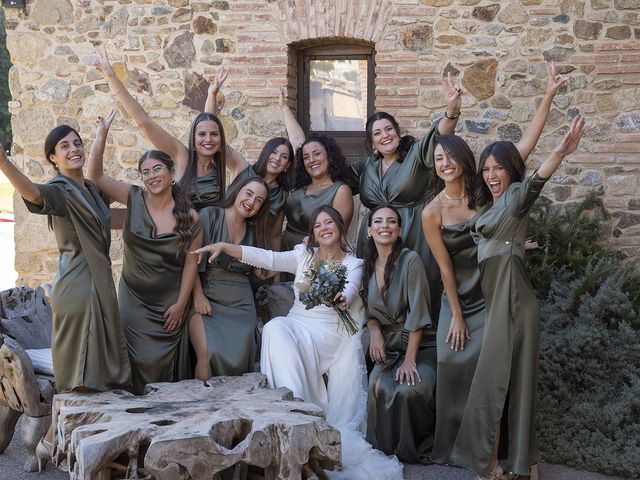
column 277, row 194
column 508, row 361
column 230, row 329
column 298, row 210
column 150, row 284
column 87, row 337
column 408, row 186
column 205, row 191
column 456, row 369
column 401, row 418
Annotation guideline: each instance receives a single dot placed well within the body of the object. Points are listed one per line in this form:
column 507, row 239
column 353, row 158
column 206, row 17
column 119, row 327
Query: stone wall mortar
column 163, row 49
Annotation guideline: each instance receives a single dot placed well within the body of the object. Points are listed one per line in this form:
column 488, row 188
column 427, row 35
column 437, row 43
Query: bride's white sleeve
column 354, row 279
column 270, row 260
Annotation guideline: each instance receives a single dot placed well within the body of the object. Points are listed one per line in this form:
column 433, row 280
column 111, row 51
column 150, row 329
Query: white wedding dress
column 297, row 350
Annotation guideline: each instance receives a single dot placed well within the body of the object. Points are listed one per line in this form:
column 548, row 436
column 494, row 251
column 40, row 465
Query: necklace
column 444, row 191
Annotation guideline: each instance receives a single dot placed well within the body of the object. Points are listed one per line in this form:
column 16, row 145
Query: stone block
column 485, row 13
column 628, row 122
column 181, row 52
column 417, row 37
column 513, row 14
column 204, row 26
column 621, row 32
column 52, row 12
column 477, row 126
column 116, row 25
column 479, row 79
column 510, row 132
column 587, row 30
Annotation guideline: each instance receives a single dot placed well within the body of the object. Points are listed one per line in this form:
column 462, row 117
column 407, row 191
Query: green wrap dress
column 508, row 361
column 408, row 186
column 150, row 284
column 401, row 418
column 456, row 369
column 230, row 329
column 299, row 208
column 87, row 337
column 205, row 191
column 277, row 194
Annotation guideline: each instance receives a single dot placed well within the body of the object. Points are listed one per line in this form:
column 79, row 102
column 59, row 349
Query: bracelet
column 446, row 114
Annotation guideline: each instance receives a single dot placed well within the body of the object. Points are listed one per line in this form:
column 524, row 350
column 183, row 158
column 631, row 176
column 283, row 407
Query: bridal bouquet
column 322, row 282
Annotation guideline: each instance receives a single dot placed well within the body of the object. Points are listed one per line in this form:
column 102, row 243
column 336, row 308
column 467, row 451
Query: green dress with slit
column 149, row 285
column 408, row 186
column 401, row 418
column 87, row 337
column 230, row 329
column 508, row 361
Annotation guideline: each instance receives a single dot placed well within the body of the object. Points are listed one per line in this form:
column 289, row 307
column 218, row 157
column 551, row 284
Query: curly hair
column 285, row 178
column 458, row 151
column 507, row 156
column 338, row 169
column 406, row 141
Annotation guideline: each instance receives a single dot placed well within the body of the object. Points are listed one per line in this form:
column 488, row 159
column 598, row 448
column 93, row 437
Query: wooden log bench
column 225, row 428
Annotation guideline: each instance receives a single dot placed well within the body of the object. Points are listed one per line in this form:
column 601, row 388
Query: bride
column 301, row 349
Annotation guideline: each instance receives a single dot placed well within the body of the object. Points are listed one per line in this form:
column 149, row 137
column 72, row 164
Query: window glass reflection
column 338, row 95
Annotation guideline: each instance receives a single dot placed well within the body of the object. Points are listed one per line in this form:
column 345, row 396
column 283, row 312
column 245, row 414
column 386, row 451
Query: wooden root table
column 228, row 427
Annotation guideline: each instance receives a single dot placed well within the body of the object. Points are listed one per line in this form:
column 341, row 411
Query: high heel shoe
column 44, row 451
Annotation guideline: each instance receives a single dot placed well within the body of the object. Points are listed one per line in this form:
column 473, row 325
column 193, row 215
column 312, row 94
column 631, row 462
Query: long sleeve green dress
column 87, row 337
column 401, row 418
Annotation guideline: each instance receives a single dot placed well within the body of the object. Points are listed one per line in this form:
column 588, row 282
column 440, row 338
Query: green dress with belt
column 277, row 194
column 150, row 284
column 205, row 191
column 456, row 369
column 230, row 329
column 408, row 186
column 299, row 208
column 87, row 337
column 401, row 418
column 508, row 361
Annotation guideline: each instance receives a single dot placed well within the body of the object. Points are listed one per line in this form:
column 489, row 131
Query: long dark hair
column 260, row 221
column 508, row 157
column 337, row 218
column 50, row 144
column 219, row 158
column 371, row 255
column 181, row 205
column 338, row 169
column 458, row 151
column 286, row 178
column 406, row 141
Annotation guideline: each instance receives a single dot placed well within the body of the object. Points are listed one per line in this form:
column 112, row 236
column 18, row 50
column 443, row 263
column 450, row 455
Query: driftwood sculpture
column 227, row 427
column 25, row 324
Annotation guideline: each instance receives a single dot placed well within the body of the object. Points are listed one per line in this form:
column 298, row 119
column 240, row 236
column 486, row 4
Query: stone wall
column 162, row 49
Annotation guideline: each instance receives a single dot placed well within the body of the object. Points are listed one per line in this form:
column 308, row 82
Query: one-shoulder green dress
column 508, row 361
column 87, row 336
column 230, row 329
column 150, row 284
column 401, row 418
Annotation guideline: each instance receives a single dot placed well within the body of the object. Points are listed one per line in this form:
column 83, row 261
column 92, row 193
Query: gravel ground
column 11, row 469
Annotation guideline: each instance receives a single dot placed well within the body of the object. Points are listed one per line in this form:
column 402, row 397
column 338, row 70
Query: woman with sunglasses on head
column 157, row 275
column 300, row 349
column 224, row 337
column 401, row 403
column 87, row 338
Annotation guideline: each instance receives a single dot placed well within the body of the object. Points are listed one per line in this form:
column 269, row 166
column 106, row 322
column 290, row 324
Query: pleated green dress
column 456, row 369
column 298, row 210
column 205, row 191
column 87, row 337
column 401, row 418
column 230, row 329
column 508, row 361
column 277, row 194
column 150, row 284
column 408, row 186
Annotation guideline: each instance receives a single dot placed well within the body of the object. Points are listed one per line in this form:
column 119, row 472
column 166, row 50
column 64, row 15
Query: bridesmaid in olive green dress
column 157, row 275
column 224, row 337
column 401, row 403
column 399, row 172
column 87, row 339
column 508, row 359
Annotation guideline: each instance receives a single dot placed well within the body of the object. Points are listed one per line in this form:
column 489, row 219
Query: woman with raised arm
column 399, row 172
column 447, row 222
column 200, row 167
column 157, row 275
column 299, row 349
column 223, row 336
column 401, row 403
column 273, row 164
column 87, row 339
column 508, row 361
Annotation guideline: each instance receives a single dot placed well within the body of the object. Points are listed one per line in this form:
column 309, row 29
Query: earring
column 173, row 181
column 375, row 152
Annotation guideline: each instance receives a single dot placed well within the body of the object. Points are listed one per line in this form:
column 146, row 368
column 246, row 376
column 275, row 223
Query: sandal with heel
column 44, row 451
